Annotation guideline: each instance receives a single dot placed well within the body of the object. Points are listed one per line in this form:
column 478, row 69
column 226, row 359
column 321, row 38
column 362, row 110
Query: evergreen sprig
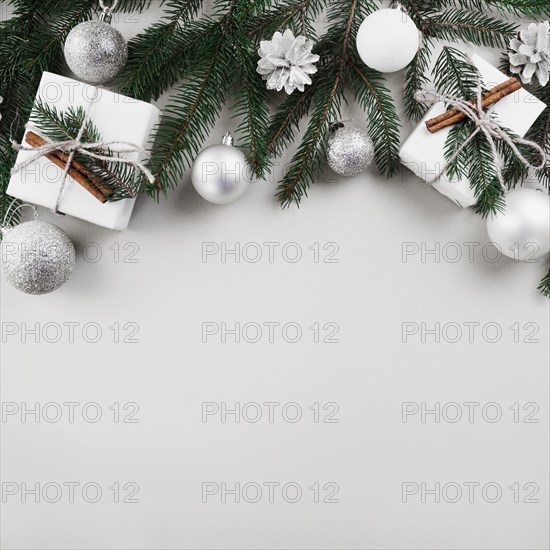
column 471, row 26
column 417, row 78
column 158, row 56
column 123, row 179
column 544, row 286
column 335, row 69
column 211, row 59
column 227, row 52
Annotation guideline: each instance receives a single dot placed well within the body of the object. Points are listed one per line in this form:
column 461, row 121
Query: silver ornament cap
column 349, row 149
column 522, row 231
column 95, row 51
column 37, row 257
column 220, row 173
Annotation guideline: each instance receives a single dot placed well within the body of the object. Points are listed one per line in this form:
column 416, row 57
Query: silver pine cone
column 286, row 62
column 530, row 54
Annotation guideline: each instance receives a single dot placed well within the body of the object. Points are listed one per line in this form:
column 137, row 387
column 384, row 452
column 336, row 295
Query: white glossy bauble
column 388, row 40
column 95, row 52
column 522, row 231
column 220, row 173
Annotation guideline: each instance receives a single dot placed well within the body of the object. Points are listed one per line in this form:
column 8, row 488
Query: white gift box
column 117, row 118
column 423, row 153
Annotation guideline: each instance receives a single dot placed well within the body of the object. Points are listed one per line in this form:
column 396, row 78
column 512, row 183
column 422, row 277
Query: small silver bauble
column 37, row 257
column 220, row 173
column 349, row 149
column 95, row 51
column 522, row 231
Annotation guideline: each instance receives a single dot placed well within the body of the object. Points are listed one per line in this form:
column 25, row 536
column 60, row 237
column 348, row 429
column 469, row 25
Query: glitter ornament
column 286, row 62
column 387, row 40
column 522, row 231
column 37, row 257
column 530, row 53
column 349, row 149
column 95, row 51
column 220, row 173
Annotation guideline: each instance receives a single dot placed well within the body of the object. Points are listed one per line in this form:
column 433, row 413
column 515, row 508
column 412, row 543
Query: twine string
column 97, row 150
column 484, row 123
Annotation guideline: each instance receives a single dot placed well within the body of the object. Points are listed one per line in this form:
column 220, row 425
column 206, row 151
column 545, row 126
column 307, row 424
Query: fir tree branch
column 191, row 113
column 48, row 39
column 469, row 26
column 307, row 160
column 369, row 91
column 540, row 133
column 282, row 130
column 544, row 286
column 458, row 134
column 158, row 56
column 483, row 178
column 415, row 80
column 329, row 94
column 522, row 7
column 252, row 102
column 454, row 74
column 297, row 15
column 420, row 11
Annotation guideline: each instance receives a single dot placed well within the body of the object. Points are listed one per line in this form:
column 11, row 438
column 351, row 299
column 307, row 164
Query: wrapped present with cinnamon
column 503, row 108
column 84, row 152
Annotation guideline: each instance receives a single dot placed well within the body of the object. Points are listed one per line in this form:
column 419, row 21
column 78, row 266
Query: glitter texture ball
column 95, row 52
column 349, row 151
column 37, row 257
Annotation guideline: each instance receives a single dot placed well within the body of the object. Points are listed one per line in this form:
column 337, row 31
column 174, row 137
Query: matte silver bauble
column 349, row 150
column 522, row 231
column 37, row 257
column 220, row 173
column 95, row 52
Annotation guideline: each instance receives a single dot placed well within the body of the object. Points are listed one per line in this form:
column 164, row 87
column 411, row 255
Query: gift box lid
column 423, row 153
column 116, row 117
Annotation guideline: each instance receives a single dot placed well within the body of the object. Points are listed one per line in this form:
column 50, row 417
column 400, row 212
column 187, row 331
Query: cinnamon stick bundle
column 494, row 95
column 90, row 181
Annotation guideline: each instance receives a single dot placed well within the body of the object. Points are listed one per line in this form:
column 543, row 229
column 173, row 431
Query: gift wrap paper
column 117, row 117
column 423, row 153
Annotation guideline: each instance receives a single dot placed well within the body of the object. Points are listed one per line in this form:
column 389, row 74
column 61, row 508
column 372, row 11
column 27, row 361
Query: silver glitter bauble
column 349, row 150
column 37, row 257
column 522, row 231
column 95, row 52
column 220, row 173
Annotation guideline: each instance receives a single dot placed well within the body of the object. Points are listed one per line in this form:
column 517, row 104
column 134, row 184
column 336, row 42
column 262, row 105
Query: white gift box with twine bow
column 117, row 118
column 423, row 152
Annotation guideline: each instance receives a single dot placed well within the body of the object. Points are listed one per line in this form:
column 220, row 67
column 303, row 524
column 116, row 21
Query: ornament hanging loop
column 107, row 13
column 227, row 139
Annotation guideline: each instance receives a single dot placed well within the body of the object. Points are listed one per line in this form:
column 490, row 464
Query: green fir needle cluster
column 206, row 54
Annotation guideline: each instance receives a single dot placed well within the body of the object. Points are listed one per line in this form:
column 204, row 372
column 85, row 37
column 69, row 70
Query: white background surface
column 370, row 292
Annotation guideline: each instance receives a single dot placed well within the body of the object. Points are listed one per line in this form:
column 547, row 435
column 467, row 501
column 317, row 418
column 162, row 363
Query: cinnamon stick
column 489, row 98
column 90, row 181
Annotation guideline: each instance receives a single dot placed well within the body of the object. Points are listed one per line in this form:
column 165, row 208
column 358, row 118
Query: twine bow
column 486, row 123
column 98, row 151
